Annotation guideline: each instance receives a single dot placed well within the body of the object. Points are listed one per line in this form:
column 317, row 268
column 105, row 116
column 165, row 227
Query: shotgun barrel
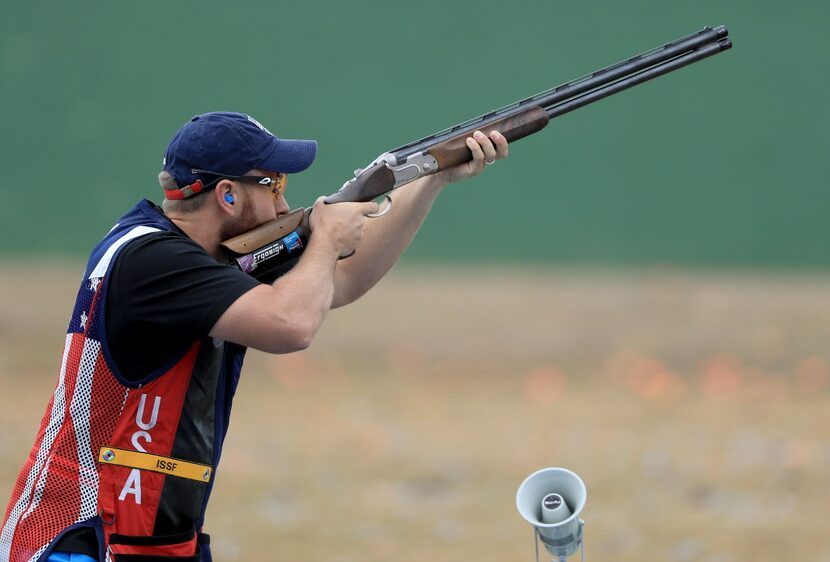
column 704, row 51
column 447, row 148
column 274, row 247
column 678, row 48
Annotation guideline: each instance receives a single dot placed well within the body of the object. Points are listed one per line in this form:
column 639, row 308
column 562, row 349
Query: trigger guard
column 384, row 210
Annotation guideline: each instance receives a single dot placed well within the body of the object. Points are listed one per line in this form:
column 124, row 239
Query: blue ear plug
column 229, row 198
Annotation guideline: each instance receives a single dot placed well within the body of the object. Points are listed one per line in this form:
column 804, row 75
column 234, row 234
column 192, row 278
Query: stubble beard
column 245, row 222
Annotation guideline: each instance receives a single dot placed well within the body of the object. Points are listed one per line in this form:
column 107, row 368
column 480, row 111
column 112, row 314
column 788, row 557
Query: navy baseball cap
column 230, row 144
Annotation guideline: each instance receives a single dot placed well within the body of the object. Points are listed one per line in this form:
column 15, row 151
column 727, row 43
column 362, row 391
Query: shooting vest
column 132, row 460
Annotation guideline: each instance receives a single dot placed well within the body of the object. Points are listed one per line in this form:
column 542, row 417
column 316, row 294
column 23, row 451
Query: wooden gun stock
column 272, row 248
column 268, row 232
column 373, row 182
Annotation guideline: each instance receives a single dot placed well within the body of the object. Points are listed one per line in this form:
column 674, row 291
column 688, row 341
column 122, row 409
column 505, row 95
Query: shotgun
column 273, row 248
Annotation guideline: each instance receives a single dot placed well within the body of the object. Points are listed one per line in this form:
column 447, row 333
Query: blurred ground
column 693, row 404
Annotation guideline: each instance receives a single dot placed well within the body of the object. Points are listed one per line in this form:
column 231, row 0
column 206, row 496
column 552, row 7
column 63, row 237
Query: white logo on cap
column 258, row 124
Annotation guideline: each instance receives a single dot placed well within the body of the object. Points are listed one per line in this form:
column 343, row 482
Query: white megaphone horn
column 551, row 500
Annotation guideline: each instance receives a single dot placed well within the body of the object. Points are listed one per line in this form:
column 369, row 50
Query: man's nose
column 281, row 205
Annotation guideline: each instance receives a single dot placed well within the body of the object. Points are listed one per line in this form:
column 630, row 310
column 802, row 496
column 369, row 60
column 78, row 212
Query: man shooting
column 125, row 458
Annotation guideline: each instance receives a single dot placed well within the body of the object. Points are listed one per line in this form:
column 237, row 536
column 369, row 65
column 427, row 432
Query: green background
column 724, row 162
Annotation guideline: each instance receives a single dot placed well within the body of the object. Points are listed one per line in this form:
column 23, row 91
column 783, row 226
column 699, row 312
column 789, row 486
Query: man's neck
column 201, row 230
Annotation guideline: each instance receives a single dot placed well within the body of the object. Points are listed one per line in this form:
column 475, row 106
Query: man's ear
column 225, row 194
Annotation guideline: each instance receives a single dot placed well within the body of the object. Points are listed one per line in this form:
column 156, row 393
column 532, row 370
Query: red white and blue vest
column 126, row 458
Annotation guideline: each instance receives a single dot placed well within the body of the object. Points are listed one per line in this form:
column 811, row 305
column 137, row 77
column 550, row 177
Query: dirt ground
column 695, row 406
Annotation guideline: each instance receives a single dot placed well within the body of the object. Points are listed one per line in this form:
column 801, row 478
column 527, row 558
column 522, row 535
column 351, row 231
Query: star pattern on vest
column 93, row 283
column 84, row 318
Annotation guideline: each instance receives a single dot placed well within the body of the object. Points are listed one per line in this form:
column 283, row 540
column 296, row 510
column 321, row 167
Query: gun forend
column 454, row 151
column 386, row 173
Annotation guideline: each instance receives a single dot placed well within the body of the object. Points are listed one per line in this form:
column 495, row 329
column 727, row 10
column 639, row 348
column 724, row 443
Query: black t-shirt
column 163, row 293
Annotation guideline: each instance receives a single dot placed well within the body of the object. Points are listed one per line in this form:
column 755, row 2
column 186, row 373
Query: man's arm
column 386, row 238
column 285, row 316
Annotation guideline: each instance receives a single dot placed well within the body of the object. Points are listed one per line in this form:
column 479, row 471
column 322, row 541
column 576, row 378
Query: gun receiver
column 447, row 148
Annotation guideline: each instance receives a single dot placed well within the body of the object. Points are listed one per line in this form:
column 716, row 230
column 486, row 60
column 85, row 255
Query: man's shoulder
column 162, row 240
column 143, row 220
column 153, row 248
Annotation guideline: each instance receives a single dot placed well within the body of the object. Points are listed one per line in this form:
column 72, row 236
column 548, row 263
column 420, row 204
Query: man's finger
column 486, row 146
column 370, row 208
column 475, row 148
column 500, row 141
